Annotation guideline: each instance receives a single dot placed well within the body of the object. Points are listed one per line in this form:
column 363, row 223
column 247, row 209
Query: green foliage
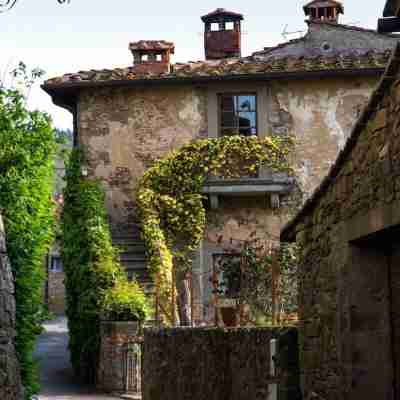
column 95, row 281
column 170, row 199
column 248, row 276
column 125, row 301
column 27, row 148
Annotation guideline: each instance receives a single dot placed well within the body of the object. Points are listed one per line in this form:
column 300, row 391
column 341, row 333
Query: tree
column 6, row 5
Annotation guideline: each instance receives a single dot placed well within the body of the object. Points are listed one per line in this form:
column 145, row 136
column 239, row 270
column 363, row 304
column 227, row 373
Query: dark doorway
column 374, row 307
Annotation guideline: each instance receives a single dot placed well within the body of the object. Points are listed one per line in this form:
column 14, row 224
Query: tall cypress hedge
column 96, row 284
column 27, row 148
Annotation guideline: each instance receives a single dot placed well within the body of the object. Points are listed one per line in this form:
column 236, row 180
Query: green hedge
column 96, row 285
column 27, row 148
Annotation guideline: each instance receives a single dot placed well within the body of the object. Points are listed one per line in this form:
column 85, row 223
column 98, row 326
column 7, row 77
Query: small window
column 145, row 57
column 227, row 275
column 56, row 264
column 159, row 57
column 238, row 114
column 215, row 27
column 230, row 26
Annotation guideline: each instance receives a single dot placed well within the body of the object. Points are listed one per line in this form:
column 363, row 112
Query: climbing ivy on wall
column 27, row 148
column 170, row 199
column 96, row 284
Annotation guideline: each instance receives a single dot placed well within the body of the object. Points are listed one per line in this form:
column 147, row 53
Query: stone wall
column 124, row 130
column 114, row 372
column 218, row 364
column 10, row 384
column 347, row 232
column 56, row 292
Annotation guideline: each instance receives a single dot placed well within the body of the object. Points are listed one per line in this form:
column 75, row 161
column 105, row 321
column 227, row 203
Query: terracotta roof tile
column 232, row 67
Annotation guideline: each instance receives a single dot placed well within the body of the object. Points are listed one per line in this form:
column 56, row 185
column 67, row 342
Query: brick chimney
column 324, row 10
column 222, row 35
column 152, row 56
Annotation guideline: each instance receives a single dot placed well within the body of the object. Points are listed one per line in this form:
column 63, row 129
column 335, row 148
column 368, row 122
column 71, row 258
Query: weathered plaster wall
column 124, row 130
column 10, row 381
column 320, row 115
column 346, row 242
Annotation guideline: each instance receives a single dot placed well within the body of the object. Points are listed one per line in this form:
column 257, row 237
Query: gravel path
column 57, row 380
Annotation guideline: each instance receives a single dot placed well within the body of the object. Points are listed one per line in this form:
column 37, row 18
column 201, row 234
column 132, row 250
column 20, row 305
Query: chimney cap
column 151, row 46
column 323, row 3
column 222, row 13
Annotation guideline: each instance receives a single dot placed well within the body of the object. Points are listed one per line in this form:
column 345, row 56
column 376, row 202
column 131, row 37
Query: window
column 56, row 264
column 215, row 27
column 159, row 57
column 238, row 114
column 229, row 26
column 227, row 275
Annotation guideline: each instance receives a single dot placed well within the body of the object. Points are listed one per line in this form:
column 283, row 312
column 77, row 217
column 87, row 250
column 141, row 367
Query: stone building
column 349, row 263
column 313, row 87
column 10, row 380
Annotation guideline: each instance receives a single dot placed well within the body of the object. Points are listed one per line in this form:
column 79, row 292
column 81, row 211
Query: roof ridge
column 352, row 28
column 369, row 109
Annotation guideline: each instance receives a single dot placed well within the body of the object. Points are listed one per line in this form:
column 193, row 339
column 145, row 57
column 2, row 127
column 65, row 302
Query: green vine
column 96, row 284
column 170, row 198
column 27, row 148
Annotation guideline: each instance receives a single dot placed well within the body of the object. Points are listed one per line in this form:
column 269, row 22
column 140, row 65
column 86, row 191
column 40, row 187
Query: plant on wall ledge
column 170, row 198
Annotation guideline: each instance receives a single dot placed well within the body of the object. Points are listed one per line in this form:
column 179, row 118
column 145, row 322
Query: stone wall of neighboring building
column 349, row 286
column 10, row 383
column 218, row 364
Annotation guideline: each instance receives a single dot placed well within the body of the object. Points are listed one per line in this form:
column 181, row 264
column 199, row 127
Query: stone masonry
column 10, row 383
column 349, row 280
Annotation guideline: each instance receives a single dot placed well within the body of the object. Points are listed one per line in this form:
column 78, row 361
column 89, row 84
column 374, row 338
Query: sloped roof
column 295, row 59
column 288, row 232
column 231, row 68
column 148, row 45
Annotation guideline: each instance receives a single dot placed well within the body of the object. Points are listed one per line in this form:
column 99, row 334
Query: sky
column 87, row 34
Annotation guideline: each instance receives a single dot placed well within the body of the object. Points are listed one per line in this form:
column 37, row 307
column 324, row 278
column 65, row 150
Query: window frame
column 235, row 94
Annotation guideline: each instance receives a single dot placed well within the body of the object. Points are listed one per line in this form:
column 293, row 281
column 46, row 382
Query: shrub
column 125, row 301
column 94, row 276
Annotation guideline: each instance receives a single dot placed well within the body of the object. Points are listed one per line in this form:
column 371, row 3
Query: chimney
column 152, row 56
column 324, row 10
column 222, row 35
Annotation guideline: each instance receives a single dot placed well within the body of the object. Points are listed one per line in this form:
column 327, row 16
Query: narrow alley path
column 57, row 380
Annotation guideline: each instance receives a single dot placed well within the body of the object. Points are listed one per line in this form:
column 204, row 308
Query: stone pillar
column 119, row 367
column 10, row 381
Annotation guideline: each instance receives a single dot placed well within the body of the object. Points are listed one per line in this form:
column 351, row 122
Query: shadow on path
column 56, row 376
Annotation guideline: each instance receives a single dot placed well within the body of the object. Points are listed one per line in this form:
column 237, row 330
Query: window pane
column 247, row 119
column 228, row 119
column 247, row 103
column 227, row 103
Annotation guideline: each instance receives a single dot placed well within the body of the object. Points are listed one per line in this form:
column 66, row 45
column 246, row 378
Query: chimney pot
column 324, row 10
column 152, row 56
column 222, row 34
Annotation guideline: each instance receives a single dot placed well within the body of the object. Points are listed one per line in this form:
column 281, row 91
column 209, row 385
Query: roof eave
column 295, row 75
